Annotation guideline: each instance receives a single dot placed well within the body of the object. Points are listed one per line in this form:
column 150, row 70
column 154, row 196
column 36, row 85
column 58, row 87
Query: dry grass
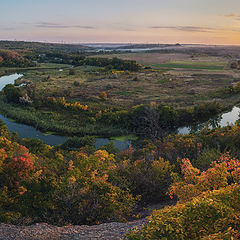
column 179, row 87
column 150, row 58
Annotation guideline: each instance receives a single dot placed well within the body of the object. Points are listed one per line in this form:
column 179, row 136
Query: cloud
column 233, row 16
column 8, row 28
column 186, row 28
column 57, row 25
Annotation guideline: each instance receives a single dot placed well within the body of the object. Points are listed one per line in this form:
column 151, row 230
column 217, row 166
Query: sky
column 121, row 21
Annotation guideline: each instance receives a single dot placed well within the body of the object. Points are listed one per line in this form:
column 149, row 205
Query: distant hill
column 136, row 46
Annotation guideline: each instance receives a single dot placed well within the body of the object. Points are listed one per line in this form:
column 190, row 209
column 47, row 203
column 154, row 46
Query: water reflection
column 226, row 119
column 10, row 79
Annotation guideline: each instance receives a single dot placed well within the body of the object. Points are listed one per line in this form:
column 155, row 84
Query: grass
column 201, row 63
column 49, row 133
column 130, row 137
column 57, row 122
column 162, row 81
column 123, row 91
column 189, row 66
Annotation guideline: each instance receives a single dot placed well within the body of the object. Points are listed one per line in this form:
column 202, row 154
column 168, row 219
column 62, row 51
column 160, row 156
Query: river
column 223, row 120
column 25, row 131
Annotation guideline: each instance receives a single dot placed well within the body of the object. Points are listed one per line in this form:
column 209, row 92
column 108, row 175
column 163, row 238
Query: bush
column 35, row 145
column 150, row 179
column 234, row 65
column 76, row 142
column 118, row 118
column 76, row 83
column 168, row 117
column 204, row 111
column 72, row 72
column 50, row 187
column 110, row 148
column 207, row 156
column 222, row 172
column 12, row 93
column 84, row 194
column 202, row 218
column 103, row 96
column 145, row 120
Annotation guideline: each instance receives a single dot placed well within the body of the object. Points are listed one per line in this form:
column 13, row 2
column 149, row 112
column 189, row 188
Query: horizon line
column 128, row 43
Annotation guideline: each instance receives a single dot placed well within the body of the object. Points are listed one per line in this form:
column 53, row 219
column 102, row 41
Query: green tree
column 12, row 93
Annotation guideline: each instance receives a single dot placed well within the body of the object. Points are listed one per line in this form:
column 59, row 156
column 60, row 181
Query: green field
column 191, row 65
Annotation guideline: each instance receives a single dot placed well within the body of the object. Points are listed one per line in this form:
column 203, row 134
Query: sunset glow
column 137, row 21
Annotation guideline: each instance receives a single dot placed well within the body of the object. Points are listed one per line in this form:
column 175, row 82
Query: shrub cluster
column 209, row 206
column 87, row 186
column 48, row 186
column 61, row 102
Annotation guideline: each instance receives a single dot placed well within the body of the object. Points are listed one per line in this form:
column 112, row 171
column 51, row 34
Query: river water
column 226, row 119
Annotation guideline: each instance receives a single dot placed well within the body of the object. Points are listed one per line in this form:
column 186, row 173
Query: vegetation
column 38, row 47
column 84, row 95
column 40, row 183
column 11, row 93
column 77, row 60
column 10, row 58
column 213, row 215
column 65, row 182
column 208, row 206
column 104, row 100
column 207, row 66
column 46, row 185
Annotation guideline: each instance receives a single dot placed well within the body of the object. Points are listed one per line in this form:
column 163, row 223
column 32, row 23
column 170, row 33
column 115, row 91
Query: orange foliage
column 103, row 96
column 223, row 172
column 9, row 54
column 17, row 165
column 62, row 102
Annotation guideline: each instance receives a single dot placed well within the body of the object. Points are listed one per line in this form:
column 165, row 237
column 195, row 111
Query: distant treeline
column 10, row 58
column 79, row 60
column 39, row 47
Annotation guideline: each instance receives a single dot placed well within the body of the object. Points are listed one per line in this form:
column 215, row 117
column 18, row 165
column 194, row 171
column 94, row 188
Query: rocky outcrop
column 43, row 231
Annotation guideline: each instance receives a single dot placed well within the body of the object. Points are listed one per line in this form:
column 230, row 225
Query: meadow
column 181, row 81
